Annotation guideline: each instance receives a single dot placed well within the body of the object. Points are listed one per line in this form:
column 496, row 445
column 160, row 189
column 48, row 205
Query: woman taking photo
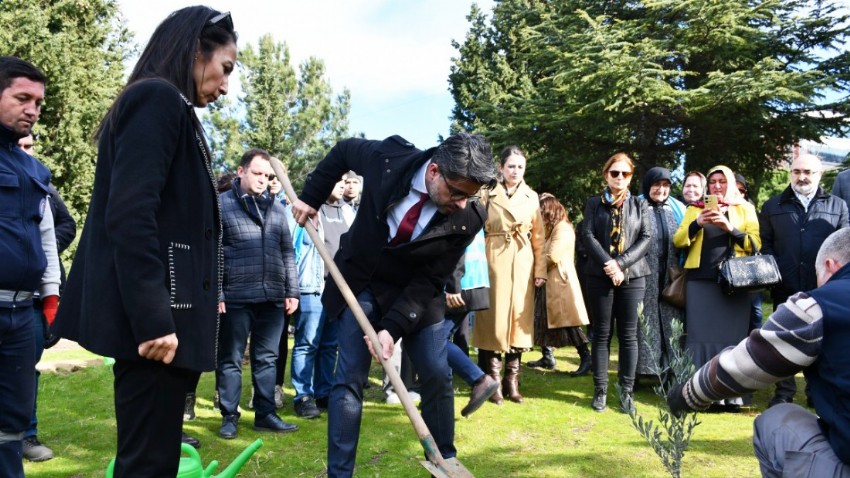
column 514, row 242
column 713, row 319
column 615, row 233
column 561, row 305
column 146, row 278
column 658, row 315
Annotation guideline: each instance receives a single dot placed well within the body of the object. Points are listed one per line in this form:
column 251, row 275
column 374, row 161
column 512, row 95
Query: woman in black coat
column 615, row 233
column 145, row 282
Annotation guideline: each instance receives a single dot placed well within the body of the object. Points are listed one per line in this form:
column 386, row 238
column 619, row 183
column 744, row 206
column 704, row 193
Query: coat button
column 208, row 233
column 206, row 284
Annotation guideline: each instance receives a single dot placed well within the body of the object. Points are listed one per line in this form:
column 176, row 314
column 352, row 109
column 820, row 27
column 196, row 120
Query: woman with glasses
column 146, row 278
column 711, row 231
column 514, row 242
column 615, row 233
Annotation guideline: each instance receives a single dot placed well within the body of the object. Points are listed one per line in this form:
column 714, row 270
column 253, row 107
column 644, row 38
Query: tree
column 81, row 46
column 292, row 116
column 681, row 84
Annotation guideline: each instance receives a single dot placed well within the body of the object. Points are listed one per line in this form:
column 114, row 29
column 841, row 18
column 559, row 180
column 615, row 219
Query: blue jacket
column 259, row 261
column 23, row 195
column 829, row 376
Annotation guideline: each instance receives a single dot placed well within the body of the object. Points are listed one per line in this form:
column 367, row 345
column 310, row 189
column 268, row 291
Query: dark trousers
column 460, row 335
column 615, row 304
column 427, row 350
column 459, row 362
column 264, row 323
column 17, row 378
column 282, row 351
column 39, row 322
column 149, row 401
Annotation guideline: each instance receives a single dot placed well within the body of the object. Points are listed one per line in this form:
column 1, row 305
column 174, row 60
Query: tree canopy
column 677, row 83
column 291, row 114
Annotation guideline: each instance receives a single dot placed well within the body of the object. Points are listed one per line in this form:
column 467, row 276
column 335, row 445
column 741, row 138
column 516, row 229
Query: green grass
column 553, row 434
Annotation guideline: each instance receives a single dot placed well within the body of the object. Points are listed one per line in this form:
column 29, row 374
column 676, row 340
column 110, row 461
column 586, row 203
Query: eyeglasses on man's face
column 806, row 172
column 456, row 194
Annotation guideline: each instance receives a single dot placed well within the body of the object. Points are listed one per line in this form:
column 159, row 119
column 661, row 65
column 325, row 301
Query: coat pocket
column 180, row 272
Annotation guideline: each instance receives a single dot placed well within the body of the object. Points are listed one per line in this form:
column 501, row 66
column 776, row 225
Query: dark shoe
column 189, row 408
column 777, row 399
column 191, row 441
column 600, row 399
column 547, row 361
column 34, row 450
column 491, row 363
column 273, row 423
column 228, row 429
column 627, row 402
column 510, row 384
column 322, row 403
column 481, row 391
column 584, row 365
column 732, row 408
column 305, row 407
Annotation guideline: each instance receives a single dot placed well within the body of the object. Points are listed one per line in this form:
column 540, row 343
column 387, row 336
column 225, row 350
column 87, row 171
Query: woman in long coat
column 560, row 305
column 514, row 241
column 665, row 214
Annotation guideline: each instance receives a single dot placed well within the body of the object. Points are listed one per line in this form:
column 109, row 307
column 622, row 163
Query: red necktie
column 408, row 222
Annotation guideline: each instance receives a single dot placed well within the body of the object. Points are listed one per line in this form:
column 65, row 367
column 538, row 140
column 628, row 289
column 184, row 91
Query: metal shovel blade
column 452, row 469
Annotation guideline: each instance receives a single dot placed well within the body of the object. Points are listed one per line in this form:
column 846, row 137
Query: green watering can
column 191, row 466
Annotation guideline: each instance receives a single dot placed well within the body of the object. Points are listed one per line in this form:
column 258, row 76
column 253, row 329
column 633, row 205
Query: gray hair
column 466, row 156
column 835, row 247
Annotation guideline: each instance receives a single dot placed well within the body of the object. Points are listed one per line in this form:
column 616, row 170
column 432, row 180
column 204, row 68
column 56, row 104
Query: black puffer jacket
column 259, row 260
column 794, row 236
column 596, row 235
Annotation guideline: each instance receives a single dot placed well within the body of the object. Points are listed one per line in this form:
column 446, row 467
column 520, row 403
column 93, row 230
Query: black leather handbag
column 749, row 273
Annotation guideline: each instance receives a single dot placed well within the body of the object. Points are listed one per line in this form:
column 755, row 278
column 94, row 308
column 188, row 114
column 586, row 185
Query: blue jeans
column 459, row 362
column 38, row 329
column 17, row 376
column 427, row 350
column 314, row 352
column 264, row 322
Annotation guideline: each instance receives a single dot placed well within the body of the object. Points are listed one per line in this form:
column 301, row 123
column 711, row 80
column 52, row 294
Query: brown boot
column 491, row 363
column 510, row 384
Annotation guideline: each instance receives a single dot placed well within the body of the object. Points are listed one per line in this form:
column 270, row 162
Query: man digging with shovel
column 412, row 228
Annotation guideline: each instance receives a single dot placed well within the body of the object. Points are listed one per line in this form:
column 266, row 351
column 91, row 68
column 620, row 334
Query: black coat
column 407, row 280
column 794, row 236
column 596, row 236
column 147, row 264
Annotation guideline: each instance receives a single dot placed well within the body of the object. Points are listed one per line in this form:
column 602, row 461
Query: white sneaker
column 392, row 397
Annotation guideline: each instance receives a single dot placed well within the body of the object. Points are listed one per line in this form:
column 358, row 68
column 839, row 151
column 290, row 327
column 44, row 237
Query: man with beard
column 412, row 227
column 793, row 225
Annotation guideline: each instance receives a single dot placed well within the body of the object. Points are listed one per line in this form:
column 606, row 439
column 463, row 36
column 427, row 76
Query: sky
column 393, row 55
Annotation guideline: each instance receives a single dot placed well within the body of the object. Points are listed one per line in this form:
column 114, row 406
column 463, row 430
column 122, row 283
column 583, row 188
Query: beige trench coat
column 564, row 302
column 514, row 243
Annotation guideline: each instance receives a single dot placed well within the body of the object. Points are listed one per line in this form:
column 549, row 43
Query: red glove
column 49, row 305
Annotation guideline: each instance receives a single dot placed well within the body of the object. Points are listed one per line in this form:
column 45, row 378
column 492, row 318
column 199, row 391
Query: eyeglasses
column 272, row 177
column 807, row 172
column 616, row 174
column 222, row 17
column 455, row 194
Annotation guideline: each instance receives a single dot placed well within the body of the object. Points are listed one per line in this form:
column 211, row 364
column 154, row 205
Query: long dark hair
column 171, row 51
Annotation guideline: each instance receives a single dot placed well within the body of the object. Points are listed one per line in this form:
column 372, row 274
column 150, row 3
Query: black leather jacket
column 596, row 236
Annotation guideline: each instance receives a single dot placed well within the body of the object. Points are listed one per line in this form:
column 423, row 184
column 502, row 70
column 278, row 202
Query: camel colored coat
column 564, row 302
column 514, row 244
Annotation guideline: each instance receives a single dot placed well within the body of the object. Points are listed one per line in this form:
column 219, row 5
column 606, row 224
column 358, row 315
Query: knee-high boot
column 510, row 384
column 491, row 363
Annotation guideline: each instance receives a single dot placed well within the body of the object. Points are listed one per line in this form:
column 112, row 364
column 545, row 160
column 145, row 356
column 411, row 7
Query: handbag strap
column 756, row 250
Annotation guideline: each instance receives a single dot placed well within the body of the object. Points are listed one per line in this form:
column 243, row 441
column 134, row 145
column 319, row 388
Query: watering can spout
column 238, row 463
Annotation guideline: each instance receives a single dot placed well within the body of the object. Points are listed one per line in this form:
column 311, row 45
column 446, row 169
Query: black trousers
column 610, row 304
column 149, row 401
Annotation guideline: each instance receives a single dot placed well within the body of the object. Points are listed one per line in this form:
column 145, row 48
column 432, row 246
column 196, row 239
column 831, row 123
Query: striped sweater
column 789, row 342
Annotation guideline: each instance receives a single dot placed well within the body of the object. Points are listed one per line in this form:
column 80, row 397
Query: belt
column 15, row 296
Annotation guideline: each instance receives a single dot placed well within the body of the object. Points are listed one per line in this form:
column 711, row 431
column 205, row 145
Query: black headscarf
column 651, row 177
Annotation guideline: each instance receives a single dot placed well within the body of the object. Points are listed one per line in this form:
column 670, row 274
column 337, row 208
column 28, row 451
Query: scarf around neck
column 615, row 206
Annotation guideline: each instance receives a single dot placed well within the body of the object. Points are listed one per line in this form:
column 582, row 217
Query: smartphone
column 710, row 201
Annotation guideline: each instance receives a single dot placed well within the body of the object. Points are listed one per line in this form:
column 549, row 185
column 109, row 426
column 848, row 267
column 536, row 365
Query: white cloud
column 394, row 55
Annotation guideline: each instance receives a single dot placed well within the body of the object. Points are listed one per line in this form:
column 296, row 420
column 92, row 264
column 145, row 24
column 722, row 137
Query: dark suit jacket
column 147, row 262
column 408, row 280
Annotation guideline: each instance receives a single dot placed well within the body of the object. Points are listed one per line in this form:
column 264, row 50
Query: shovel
column 436, row 464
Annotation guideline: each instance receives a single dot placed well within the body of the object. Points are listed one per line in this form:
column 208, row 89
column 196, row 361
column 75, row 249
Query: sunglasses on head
column 616, row 174
column 227, row 22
